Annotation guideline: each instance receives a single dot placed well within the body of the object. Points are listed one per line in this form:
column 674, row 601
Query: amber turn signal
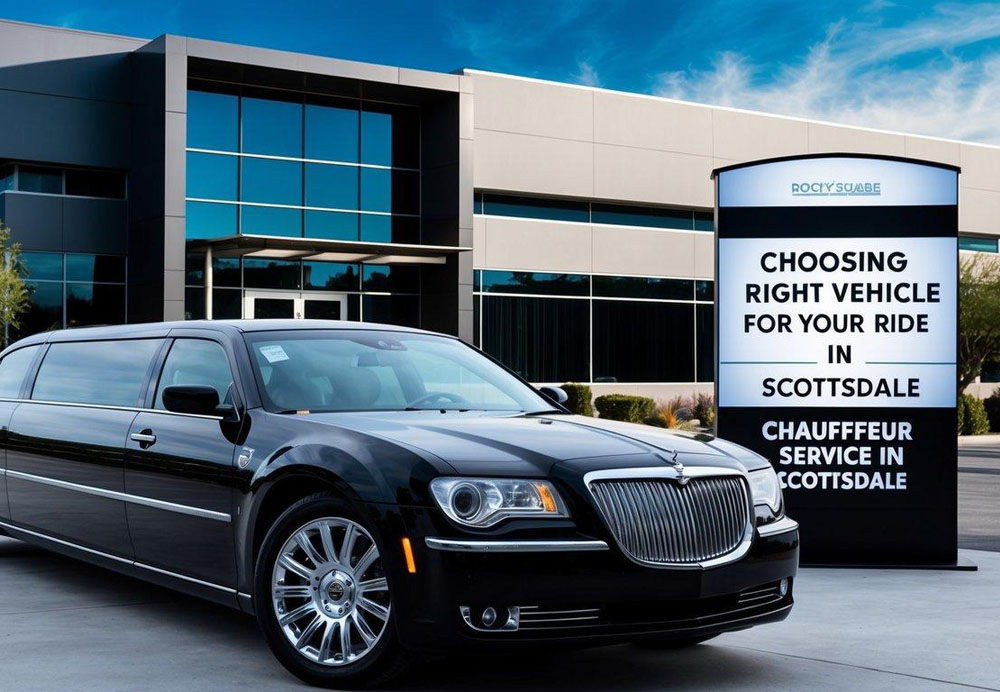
column 411, row 565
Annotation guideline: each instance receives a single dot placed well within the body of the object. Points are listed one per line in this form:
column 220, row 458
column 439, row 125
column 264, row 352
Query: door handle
column 144, row 439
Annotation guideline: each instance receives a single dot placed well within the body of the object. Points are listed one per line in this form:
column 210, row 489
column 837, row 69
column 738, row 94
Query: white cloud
column 586, row 75
column 905, row 77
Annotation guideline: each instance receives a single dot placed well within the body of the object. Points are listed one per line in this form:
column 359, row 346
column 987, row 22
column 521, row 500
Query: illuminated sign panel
column 836, row 346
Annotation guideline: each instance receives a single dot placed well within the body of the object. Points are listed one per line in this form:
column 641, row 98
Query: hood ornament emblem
column 681, row 478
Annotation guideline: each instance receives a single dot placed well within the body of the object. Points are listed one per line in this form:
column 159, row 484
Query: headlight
column 765, row 489
column 482, row 502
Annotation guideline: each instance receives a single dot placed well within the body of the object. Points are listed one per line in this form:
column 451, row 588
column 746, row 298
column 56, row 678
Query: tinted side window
column 196, row 361
column 110, row 373
column 13, row 368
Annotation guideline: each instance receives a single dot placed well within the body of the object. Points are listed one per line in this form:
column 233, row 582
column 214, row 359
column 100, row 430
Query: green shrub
column 976, row 422
column 992, row 405
column 961, row 414
column 633, row 409
column 704, row 410
column 581, row 399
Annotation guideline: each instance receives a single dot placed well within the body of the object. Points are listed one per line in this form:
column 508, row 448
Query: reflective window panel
column 100, row 268
column 208, row 220
column 260, row 272
column 332, row 130
column 398, row 278
column 537, row 283
column 330, row 276
column 46, row 266
column 333, row 225
column 643, row 341
column 705, row 335
column 542, row 339
column 212, row 120
column 272, row 126
column 270, row 181
column 94, row 304
column 48, row 180
column 334, row 187
column 270, row 221
column 87, row 183
column 643, row 287
column 390, row 135
column 211, row 176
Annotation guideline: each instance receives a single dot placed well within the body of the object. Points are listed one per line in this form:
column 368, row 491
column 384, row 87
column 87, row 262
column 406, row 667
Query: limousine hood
column 477, row 442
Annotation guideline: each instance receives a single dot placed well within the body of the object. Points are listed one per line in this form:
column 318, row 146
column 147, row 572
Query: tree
column 978, row 315
column 13, row 292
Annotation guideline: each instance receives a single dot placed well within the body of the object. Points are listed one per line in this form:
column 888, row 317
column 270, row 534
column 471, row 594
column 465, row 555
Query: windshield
column 362, row 370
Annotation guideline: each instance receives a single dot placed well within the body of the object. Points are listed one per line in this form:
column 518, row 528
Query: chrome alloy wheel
column 329, row 592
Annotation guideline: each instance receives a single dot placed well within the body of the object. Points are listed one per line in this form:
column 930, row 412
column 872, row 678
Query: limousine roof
column 155, row 329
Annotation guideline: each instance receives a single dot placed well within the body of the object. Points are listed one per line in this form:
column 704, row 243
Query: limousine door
column 66, row 445
column 182, row 464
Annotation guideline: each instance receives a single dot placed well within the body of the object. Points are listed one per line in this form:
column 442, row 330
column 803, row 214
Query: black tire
column 668, row 644
column 383, row 661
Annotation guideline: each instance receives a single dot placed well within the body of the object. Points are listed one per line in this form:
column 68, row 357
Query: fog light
column 783, row 588
column 489, row 617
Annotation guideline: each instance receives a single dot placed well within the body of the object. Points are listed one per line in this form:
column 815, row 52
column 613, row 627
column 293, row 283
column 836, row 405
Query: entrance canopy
column 318, row 249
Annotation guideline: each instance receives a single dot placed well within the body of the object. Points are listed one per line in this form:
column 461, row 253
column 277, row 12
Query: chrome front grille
column 535, row 618
column 661, row 521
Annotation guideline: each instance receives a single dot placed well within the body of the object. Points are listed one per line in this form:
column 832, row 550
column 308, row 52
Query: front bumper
column 581, row 591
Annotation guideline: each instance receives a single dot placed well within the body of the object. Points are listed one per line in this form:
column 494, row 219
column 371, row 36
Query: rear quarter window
column 107, row 373
column 13, row 368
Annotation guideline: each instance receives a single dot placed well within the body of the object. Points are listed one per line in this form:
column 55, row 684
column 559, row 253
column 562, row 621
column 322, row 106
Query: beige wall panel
column 746, row 136
column 933, row 150
column 478, row 241
column 533, row 108
column 643, row 175
column 620, row 250
column 537, row 245
column 704, row 255
column 652, row 124
column 540, row 165
column 830, row 138
column 980, row 167
column 979, row 211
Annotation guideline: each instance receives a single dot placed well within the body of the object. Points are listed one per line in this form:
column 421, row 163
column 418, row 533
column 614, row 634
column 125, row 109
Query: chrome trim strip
column 98, row 553
column 106, row 407
column 676, row 473
column 123, row 497
column 122, row 560
column 191, row 580
column 783, row 525
column 482, row 546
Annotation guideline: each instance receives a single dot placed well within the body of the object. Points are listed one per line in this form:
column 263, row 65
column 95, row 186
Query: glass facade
column 595, row 328
column 72, row 290
column 270, row 162
column 588, row 211
column 375, row 293
column 51, row 180
column 976, row 244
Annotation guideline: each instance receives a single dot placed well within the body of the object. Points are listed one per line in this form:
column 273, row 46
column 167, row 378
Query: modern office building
column 566, row 230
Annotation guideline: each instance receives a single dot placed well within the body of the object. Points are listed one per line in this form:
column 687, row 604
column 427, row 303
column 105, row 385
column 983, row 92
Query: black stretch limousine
column 371, row 492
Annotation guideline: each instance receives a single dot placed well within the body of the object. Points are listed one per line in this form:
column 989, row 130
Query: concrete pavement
column 69, row 626
column 979, row 492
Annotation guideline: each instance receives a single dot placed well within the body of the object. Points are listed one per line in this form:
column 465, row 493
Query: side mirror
column 557, row 394
column 198, row 399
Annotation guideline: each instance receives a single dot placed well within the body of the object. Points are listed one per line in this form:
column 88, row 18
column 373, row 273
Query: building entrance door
column 294, row 305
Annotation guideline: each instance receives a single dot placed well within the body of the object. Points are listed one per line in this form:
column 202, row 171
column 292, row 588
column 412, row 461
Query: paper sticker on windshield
column 274, row 354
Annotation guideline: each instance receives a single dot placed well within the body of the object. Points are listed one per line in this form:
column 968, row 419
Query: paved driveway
column 69, row 626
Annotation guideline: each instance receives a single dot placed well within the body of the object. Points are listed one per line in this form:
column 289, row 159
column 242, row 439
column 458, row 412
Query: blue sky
column 931, row 68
